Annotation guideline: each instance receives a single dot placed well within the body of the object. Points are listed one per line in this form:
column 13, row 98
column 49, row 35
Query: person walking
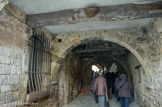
column 101, row 89
column 116, row 84
column 92, row 85
column 109, row 84
column 125, row 91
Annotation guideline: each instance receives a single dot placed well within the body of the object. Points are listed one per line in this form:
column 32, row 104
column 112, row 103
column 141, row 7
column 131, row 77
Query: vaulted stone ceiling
column 99, row 48
column 63, row 16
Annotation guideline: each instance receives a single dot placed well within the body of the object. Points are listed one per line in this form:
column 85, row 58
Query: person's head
column 122, row 76
column 100, row 73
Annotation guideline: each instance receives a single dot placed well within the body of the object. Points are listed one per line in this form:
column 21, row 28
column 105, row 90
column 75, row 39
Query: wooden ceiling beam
column 106, row 13
column 100, row 50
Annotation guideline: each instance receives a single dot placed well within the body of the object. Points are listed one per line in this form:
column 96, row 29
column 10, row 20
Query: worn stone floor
column 87, row 100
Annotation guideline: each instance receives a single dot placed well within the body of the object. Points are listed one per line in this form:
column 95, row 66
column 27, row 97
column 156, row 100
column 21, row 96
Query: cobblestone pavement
column 87, row 100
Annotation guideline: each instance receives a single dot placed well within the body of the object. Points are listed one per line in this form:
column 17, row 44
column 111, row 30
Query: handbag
column 107, row 101
column 122, row 85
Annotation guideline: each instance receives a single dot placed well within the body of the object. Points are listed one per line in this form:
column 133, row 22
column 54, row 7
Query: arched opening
column 95, row 68
column 105, row 37
column 56, row 73
column 78, row 63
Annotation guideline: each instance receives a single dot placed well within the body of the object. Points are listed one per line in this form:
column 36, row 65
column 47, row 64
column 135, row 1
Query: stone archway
column 72, row 40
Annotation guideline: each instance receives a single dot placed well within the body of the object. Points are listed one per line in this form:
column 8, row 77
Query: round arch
column 122, row 65
column 108, row 38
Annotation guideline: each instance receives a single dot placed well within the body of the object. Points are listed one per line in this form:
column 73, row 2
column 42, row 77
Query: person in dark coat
column 92, row 85
column 101, row 89
column 125, row 91
column 109, row 80
column 115, row 84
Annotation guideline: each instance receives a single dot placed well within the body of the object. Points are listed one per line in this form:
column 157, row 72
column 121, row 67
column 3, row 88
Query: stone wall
column 144, row 45
column 14, row 35
column 11, row 70
column 130, row 39
column 146, row 94
column 69, row 79
column 86, row 75
column 68, row 85
column 138, row 78
column 148, row 91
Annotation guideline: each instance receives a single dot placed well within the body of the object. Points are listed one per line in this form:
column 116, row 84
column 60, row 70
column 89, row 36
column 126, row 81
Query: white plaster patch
column 3, row 3
column 158, row 25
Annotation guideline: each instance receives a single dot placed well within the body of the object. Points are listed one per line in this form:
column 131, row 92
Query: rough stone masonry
column 14, row 37
column 148, row 92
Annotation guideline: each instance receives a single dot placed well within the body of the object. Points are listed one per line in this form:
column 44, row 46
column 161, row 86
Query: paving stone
column 87, row 100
